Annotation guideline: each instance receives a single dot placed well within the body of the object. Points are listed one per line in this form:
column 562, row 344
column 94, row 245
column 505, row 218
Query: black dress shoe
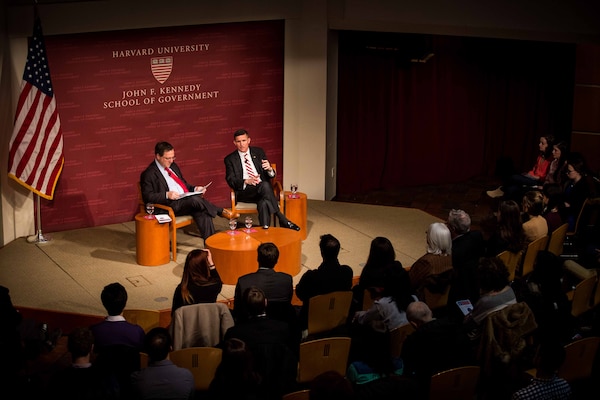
column 293, row 226
column 265, row 226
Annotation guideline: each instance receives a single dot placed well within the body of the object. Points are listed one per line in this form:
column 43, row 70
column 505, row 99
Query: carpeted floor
column 69, row 271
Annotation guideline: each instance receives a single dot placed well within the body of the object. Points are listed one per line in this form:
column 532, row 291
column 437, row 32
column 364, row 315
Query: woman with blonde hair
column 200, row 282
column 434, row 269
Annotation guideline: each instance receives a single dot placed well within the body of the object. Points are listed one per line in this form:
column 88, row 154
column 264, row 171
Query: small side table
column 152, row 241
column 295, row 211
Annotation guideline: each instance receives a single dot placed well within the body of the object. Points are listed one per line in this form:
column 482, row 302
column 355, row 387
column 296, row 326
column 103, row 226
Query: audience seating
column 328, row 311
column 240, row 207
column 322, row 355
column 367, row 300
column 198, row 325
column 582, row 296
column 580, row 357
column 436, row 301
column 397, row 337
column 455, row 384
column 201, row 361
column 557, row 240
column 176, row 221
column 297, row 395
column 530, row 256
column 147, row 319
column 512, row 262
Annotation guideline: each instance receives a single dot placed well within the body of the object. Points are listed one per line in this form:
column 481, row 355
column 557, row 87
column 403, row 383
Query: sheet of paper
column 162, row 218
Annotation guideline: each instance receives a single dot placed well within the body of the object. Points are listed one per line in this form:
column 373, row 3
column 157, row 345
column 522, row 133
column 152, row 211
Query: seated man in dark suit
column 277, row 286
column 163, row 183
column 467, row 247
column 271, row 342
column 248, row 172
column 329, row 277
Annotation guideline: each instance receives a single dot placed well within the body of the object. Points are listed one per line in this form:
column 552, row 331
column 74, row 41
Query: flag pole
column 39, row 236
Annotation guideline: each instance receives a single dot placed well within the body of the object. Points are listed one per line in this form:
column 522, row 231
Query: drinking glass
column 294, row 189
column 232, row 226
column 248, row 222
column 150, row 211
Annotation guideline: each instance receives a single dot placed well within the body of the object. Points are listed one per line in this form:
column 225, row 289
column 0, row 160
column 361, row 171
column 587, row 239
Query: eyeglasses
column 568, row 172
column 170, row 158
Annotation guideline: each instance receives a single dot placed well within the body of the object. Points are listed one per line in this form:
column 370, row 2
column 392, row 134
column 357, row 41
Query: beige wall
column 310, row 67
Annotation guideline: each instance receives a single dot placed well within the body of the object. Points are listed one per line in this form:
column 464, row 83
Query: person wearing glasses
column 163, row 183
column 577, row 188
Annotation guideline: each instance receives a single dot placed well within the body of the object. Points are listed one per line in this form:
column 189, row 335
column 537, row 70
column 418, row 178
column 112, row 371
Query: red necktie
column 248, row 166
column 176, row 179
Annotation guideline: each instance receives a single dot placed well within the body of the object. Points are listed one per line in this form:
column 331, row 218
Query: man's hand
column 172, row 195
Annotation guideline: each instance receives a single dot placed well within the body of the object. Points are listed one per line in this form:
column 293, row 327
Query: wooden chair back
column 436, row 301
column 298, row 395
column 557, row 239
column 580, row 357
column 328, row 311
column 531, row 255
column 143, row 360
column 582, row 296
column 201, row 361
column 455, row 384
column 147, row 319
column 176, row 221
column 512, row 262
column 322, row 355
column 579, row 219
column 397, row 337
column 240, row 207
column 596, row 299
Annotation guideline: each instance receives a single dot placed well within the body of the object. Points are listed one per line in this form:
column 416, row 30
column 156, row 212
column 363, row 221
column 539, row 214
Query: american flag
column 35, row 158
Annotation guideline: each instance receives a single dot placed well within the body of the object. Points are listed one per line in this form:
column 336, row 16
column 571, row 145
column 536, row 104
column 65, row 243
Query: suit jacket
column 466, row 251
column 234, row 172
column 277, row 286
column 154, row 185
column 205, row 325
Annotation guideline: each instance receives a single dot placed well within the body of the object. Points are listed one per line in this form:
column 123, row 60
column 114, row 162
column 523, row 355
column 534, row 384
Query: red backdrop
column 113, row 109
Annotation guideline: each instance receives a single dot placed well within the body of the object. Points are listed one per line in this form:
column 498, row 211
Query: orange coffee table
column 235, row 255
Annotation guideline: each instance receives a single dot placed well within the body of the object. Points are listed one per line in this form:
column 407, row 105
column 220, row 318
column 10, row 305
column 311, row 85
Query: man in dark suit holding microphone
column 249, row 173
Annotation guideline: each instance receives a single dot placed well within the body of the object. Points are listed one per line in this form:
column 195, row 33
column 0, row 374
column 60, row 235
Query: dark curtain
column 406, row 122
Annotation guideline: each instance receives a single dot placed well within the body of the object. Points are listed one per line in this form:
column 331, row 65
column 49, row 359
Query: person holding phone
column 248, row 172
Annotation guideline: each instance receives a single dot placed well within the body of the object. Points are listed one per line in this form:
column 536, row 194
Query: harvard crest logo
column 161, row 68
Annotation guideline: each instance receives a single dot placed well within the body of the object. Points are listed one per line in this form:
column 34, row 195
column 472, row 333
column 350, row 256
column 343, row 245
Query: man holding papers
column 163, row 183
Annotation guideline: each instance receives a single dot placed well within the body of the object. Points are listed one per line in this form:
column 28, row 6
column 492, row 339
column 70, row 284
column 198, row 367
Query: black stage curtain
column 404, row 121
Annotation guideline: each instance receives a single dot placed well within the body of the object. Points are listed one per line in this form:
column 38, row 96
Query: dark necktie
column 176, row 179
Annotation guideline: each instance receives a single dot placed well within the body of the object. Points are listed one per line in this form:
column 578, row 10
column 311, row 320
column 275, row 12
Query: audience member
column 248, row 172
column 161, row 379
column 553, row 202
column 577, row 188
column 535, row 227
column 200, row 282
column 467, row 248
column 236, row 377
column 271, row 343
column 163, row 183
column 546, row 385
column 117, row 342
column 373, row 274
column 115, row 330
column 82, row 379
column 509, row 233
column 433, row 270
column 513, row 189
column 330, row 276
column 277, row 286
column 496, row 293
column 13, row 351
column 437, row 344
column 330, row 385
column 557, row 171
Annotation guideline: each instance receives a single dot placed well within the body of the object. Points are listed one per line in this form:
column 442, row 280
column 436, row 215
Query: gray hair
column 460, row 221
column 439, row 240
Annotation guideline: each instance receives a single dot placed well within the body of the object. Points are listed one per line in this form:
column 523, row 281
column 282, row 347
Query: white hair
column 439, row 240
